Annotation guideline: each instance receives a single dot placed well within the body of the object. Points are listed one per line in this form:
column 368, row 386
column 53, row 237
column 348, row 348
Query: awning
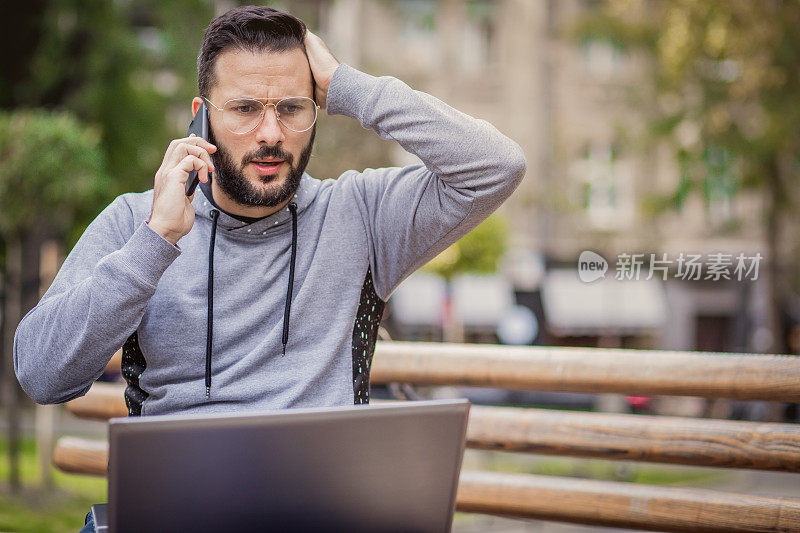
column 604, row 307
column 478, row 301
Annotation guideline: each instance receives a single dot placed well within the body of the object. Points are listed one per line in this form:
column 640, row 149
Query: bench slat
column 590, row 370
column 81, row 456
column 103, row 401
column 630, row 505
column 659, row 439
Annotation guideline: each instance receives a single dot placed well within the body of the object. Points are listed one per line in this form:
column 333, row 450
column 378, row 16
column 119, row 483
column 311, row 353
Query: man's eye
column 290, row 109
column 244, row 109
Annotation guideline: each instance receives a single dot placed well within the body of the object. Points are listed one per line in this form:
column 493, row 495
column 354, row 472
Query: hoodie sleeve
column 96, row 301
column 413, row 213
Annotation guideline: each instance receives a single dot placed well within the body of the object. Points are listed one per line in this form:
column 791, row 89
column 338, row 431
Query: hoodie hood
column 303, row 198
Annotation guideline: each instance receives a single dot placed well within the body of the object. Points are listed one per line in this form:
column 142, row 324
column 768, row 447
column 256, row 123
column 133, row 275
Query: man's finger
column 183, row 148
column 194, row 139
column 201, row 153
column 187, row 164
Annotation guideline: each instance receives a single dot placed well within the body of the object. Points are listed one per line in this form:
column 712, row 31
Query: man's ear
column 196, row 103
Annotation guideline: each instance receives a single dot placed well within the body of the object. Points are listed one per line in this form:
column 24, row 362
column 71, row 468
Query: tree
column 479, row 251
column 727, row 70
column 52, row 169
column 127, row 67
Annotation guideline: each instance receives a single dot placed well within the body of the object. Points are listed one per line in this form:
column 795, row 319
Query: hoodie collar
column 303, row 197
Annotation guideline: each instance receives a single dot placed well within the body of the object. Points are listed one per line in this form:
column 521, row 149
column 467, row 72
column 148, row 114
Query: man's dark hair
column 249, row 28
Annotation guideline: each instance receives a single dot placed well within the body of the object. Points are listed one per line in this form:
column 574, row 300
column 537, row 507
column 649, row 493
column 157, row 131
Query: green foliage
column 52, row 171
column 179, row 25
column 89, row 61
column 479, row 251
column 724, row 80
column 128, row 67
column 720, row 86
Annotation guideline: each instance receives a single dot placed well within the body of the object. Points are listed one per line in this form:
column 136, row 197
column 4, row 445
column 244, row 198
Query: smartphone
column 199, row 127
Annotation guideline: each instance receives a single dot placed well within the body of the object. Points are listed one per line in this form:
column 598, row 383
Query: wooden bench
column 656, row 439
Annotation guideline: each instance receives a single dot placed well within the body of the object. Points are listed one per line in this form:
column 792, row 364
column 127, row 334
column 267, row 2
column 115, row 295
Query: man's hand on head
column 323, row 65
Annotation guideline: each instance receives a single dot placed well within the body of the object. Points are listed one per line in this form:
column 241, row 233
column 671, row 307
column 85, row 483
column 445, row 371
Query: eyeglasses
column 243, row 115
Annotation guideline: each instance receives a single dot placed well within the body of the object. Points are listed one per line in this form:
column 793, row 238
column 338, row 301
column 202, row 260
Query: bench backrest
column 659, row 439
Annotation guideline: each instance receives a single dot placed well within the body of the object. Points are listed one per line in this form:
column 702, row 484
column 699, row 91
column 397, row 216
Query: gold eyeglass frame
column 264, row 111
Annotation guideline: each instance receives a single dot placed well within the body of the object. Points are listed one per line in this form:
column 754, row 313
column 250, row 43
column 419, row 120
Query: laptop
column 386, row 467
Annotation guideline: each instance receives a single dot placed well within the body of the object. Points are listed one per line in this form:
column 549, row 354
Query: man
column 264, row 289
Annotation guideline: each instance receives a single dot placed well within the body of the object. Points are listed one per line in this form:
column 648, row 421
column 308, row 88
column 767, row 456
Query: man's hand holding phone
column 173, row 215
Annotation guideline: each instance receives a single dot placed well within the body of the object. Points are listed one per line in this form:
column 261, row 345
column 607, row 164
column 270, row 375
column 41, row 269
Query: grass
column 36, row 509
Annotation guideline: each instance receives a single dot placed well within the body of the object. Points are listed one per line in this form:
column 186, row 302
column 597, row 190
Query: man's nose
column 270, row 130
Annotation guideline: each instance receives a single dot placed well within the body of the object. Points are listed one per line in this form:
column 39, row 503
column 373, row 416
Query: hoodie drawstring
column 209, row 327
column 287, row 309
column 293, row 209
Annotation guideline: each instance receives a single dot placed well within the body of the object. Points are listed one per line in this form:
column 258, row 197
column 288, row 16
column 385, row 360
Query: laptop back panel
column 381, row 468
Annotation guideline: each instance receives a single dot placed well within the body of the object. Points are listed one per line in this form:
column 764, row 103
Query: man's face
column 262, row 167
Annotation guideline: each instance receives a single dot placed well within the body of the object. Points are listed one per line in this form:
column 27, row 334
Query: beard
column 234, row 183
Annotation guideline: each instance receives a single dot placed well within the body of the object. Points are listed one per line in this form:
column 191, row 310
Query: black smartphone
column 199, row 127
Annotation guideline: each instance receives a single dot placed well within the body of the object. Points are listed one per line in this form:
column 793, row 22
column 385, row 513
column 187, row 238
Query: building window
column 719, row 185
column 601, row 58
column 418, row 18
column 606, row 186
column 418, row 33
column 479, row 35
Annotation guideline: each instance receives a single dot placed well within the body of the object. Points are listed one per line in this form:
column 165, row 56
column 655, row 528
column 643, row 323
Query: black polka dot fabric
column 133, row 364
column 365, row 334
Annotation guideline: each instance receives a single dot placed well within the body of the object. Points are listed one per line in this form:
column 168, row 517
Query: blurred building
column 567, row 101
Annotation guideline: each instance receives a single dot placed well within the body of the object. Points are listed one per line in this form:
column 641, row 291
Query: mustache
column 264, row 152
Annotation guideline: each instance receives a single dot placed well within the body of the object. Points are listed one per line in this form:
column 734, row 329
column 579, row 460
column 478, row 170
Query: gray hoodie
column 311, row 279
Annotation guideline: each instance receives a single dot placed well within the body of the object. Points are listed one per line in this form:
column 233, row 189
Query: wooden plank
column 660, row 439
column 103, row 401
column 629, row 505
column 81, row 456
column 591, row 370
